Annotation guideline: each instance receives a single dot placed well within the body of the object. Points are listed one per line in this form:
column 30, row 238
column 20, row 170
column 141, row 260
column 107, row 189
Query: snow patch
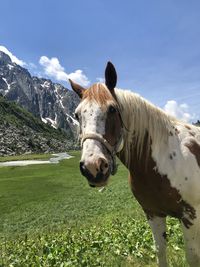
column 75, row 122
column 6, row 91
column 57, row 94
column 61, row 104
column 10, row 66
column 44, row 120
column 46, row 84
column 59, row 100
column 49, row 120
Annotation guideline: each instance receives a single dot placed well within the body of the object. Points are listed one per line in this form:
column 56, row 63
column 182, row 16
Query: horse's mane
column 144, row 122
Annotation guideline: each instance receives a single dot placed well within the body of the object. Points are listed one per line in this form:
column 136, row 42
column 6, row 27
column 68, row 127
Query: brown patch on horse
column 113, row 126
column 194, row 148
column 177, row 131
column 192, row 133
column 99, row 93
column 187, row 127
column 154, row 191
column 174, row 153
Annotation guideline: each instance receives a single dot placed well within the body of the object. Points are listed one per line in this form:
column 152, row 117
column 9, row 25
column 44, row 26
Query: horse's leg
column 158, row 227
column 192, row 241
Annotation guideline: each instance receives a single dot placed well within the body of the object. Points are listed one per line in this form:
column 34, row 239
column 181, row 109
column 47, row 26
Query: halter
column 111, row 149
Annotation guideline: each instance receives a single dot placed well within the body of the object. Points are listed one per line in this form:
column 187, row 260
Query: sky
column 154, row 45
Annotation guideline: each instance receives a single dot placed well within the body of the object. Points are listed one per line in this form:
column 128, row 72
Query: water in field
column 55, row 159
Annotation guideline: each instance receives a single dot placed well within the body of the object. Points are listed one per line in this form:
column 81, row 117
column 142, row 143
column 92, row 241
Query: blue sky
column 155, row 45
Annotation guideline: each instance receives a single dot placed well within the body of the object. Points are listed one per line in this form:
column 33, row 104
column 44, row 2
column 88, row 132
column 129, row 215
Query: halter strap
column 103, row 141
column 112, row 149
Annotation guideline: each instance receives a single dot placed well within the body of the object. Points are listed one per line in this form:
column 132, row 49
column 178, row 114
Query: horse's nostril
column 86, row 172
column 92, row 185
column 103, row 165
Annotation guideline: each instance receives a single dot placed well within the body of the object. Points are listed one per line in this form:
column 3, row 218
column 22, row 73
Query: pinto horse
column 161, row 153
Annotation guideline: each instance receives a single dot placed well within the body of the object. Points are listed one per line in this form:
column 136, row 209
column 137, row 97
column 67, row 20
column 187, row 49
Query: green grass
column 49, row 216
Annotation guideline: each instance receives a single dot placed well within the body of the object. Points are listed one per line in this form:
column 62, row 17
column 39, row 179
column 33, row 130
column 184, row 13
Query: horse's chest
column 153, row 190
column 155, row 194
column 158, row 197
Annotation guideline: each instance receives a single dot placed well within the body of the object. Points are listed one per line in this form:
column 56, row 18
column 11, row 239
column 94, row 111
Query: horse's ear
column 110, row 76
column 77, row 88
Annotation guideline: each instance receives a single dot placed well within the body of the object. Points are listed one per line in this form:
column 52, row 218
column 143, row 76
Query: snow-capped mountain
column 51, row 102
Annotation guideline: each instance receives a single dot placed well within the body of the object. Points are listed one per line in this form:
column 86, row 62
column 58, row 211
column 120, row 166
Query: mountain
column 21, row 132
column 51, row 102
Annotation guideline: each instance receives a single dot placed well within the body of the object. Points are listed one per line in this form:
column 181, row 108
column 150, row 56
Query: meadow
column 49, row 216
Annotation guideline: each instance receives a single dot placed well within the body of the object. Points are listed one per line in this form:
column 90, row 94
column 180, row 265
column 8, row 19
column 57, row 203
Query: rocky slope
column 21, row 132
column 51, row 102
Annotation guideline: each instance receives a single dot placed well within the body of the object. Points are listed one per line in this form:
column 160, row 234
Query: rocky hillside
column 51, row 102
column 21, row 132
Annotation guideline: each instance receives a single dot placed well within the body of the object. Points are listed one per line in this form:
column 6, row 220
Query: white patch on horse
column 181, row 166
column 93, row 121
column 192, row 241
column 158, row 227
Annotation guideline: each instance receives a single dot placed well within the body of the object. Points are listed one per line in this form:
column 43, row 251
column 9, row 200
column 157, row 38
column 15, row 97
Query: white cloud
column 53, row 69
column 13, row 57
column 179, row 111
column 79, row 77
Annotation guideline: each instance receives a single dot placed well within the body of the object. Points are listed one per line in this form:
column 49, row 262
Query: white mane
column 139, row 117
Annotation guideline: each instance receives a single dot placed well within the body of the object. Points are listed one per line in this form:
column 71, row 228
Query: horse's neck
column 147, row 127
column 134, row 160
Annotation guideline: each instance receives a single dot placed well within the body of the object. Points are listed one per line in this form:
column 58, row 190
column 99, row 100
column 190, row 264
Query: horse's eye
column 76, row 116
column 112, row 109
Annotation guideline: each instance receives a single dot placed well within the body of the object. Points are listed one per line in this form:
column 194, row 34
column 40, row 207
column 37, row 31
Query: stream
column 54, row 160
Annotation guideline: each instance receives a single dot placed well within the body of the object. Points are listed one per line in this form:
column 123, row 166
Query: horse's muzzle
column 99, row 180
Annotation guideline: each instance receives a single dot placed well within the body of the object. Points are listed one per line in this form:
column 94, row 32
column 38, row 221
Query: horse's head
column 100, row 128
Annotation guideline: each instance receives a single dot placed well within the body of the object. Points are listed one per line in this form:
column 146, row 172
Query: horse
column 161, row 153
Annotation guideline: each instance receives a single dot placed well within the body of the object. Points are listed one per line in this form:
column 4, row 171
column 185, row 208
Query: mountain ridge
column 51, row 102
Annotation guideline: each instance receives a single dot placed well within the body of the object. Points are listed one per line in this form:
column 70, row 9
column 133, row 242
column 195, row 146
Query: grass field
column 49, row 216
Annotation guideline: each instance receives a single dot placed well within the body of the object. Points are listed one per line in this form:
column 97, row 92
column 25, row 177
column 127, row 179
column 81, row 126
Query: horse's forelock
column 99, row 93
